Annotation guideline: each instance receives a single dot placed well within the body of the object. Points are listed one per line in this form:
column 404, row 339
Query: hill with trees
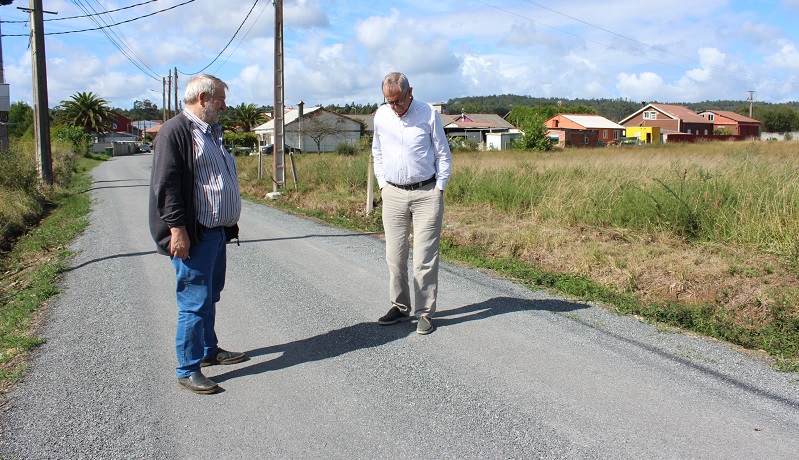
column 612, row 109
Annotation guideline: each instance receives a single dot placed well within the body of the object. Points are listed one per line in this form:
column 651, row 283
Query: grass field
column 704, row 237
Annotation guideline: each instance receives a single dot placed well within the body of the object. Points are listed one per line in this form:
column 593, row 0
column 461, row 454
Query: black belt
column 415, row 185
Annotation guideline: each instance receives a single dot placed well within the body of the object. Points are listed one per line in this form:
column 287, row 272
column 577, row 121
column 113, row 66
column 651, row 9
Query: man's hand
column 179, row 243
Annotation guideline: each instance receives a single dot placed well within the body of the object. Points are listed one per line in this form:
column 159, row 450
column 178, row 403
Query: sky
column 337, row 51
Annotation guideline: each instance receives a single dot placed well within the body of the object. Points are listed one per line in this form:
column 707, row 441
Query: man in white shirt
column 412, row 165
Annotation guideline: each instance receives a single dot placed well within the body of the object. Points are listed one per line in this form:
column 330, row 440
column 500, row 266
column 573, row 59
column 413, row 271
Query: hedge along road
column 508, row 373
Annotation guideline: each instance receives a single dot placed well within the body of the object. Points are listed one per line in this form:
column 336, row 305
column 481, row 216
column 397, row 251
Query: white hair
column 202, row 83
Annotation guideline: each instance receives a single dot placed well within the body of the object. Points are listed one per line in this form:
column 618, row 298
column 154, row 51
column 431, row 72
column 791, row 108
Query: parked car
column 286, row 148
column 144, row 148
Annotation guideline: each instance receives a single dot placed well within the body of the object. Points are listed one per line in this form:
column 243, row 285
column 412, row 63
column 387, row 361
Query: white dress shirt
column 411, row 148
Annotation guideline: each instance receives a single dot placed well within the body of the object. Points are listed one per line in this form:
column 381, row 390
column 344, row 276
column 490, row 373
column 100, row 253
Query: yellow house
column 644, row 134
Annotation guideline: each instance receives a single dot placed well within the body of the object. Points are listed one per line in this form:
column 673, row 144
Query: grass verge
column 777, row 337
column 32, row 269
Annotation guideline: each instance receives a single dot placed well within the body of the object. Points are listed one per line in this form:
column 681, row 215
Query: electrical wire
column 635, row 54
column 118, row 33
column 107, row 26
column 242, row 38
column 80, row 17
column 648, row 46
column 226, row 46
column 116, row 40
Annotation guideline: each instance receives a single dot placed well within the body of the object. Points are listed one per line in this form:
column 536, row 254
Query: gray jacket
column 172, row 184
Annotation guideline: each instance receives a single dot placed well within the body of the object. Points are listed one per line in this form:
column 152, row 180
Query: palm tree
column 88, row 111
column 247, row 116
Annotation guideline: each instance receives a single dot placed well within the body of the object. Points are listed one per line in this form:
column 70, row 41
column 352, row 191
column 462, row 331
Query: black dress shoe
column 198, row 383
column 223, row 357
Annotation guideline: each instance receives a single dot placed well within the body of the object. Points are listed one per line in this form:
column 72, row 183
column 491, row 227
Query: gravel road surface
column 508, row 373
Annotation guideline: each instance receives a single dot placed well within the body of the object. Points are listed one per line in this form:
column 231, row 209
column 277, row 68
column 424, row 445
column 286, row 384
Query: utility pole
column 163, row 94
column 176, row 91
column 5, row 97
column 169, row 95
column 41, row 115
column 750, row 103
column 279, row 178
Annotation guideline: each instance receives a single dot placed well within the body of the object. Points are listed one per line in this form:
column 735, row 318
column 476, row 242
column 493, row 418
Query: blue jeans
column 200, row 280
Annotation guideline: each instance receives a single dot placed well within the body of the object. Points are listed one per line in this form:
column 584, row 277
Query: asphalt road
column 508, row 373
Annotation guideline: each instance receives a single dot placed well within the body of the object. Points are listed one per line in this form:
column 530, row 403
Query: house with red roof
column 475, row 126
column 670, row 118
column 583, row 130
column 726, row 122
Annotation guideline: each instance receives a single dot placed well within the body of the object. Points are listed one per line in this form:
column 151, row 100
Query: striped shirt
column 216, row 185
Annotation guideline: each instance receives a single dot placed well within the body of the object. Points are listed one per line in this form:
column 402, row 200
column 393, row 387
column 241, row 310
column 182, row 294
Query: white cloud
column 374, row 32
column 304, row 14
column 786, row 56
column 643, row 86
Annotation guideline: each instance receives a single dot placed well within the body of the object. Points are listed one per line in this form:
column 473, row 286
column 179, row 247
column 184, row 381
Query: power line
column 109, row 25
column 635, row 54
column 81, row 17
column 718, row 67
column 242, row 38
column 228, row 43
column 123, row 48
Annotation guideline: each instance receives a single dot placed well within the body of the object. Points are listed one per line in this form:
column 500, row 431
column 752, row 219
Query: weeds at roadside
column 31, row 272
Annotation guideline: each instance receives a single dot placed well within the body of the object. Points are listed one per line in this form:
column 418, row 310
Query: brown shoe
column 223, row 357
column 425, row 325
column 198, row 383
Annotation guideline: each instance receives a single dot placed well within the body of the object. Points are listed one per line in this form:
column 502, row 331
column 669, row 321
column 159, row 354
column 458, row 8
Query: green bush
column 345, row 149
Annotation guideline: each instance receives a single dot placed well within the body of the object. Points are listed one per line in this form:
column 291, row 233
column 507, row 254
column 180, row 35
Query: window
column 585, row 140
column 604, row 134
column 711, row 116
column 616, row 134
column 651, row 115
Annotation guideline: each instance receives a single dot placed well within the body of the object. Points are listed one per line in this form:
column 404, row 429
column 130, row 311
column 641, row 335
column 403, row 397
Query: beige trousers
column 423, row 210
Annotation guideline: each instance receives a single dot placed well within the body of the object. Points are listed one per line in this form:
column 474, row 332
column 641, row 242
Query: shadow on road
column 313, row 235
column 369, row 335
column 115, row 256
column 116, row 186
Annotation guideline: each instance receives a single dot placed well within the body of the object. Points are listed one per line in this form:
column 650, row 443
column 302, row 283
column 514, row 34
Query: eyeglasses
column 398, row 102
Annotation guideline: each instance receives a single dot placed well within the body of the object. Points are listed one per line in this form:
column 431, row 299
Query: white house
column 312, row 130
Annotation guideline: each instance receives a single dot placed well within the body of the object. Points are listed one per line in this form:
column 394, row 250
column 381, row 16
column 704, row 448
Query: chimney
column 300, row 105
column 643, row 104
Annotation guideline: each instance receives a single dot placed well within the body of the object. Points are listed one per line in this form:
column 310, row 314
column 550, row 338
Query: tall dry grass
column 730, row 193
column 22, row 195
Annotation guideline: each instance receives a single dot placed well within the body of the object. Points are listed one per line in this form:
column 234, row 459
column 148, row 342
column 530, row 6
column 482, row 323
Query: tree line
column 776, row 118
column 86, row 113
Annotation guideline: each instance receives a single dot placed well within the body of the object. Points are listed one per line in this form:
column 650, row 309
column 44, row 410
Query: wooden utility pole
column 169, row 95
column 41, row 111
column 279, row 178
column 176, row 90
column 5, row 99
column 164, row 95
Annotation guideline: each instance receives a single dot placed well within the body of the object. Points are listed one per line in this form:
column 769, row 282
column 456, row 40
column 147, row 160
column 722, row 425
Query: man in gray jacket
column 194, row 211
